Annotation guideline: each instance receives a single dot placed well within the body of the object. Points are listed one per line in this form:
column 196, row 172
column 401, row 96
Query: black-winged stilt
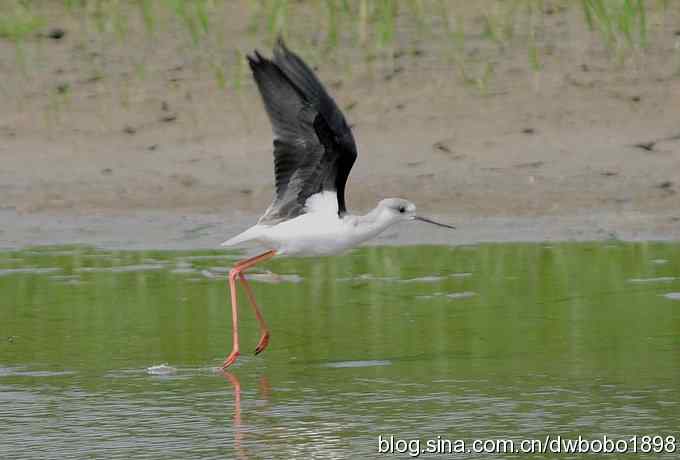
column 314, row 151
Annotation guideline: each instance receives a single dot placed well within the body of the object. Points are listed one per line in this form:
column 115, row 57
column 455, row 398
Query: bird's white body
column 320, row 231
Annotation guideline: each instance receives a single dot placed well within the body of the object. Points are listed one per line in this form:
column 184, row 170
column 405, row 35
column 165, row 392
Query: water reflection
column 264, row 390
column 483, row 341
column 236, row 428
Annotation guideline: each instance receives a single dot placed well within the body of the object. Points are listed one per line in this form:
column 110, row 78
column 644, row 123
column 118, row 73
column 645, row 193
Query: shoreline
column 162, row 230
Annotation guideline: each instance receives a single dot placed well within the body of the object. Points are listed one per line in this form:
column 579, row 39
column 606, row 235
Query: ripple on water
column 450, row 295
column 66, row 279
column 263, row 277
column 274, row 278
column 137, row 268
column 22, row 372
column 658, row 279
column 430, row 296
column 209, row 274
column 210, row 257
column 434, row 278
column 367, row 277
column 161, row 369
column 29, row 270
column 220, row 270
column 164, row 370
column 183, row 271
column 365, row 363
column 123, row 268
column 10, row 259
column 672, row 295
column 461, row 295
column 422, row 279
column 391, row 279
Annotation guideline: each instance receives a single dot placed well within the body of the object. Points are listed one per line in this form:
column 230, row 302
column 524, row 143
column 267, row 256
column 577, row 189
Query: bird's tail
column 243, row 237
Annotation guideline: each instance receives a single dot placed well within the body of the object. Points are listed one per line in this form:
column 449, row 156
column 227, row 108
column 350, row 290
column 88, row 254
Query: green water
column 491, row 341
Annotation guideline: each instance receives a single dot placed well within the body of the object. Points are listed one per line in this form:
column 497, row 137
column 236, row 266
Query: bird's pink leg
column 234, row 274
column 234, row 321
column 264, row 330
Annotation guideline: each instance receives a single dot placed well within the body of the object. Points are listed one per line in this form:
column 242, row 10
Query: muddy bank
column 584, row 147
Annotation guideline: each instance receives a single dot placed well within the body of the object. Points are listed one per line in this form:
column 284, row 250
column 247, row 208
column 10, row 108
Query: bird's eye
column 402, row 209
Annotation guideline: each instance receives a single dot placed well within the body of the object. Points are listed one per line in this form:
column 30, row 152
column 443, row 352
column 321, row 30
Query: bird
column 314, row 151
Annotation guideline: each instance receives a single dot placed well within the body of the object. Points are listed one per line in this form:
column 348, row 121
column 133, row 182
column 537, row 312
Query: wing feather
column 314, row 148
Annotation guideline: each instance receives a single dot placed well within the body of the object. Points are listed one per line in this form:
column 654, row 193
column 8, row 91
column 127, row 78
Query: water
column 108, row 354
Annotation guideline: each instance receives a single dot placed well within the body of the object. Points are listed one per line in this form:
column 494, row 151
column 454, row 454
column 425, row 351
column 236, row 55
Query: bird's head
column 393, row 210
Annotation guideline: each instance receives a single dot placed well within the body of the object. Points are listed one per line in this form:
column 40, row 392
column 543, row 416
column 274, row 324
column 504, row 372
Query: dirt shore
column 586, row 148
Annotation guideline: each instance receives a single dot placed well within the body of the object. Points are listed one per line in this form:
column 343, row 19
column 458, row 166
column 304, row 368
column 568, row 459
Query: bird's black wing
column 314, row 149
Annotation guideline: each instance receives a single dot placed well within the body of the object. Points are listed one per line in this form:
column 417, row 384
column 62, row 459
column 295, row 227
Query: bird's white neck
column 369, row 225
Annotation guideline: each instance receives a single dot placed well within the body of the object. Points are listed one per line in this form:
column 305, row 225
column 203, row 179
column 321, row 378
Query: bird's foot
column 231, row 359
column 262, row 344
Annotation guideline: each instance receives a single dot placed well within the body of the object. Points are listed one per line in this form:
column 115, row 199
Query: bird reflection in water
column 265, row 392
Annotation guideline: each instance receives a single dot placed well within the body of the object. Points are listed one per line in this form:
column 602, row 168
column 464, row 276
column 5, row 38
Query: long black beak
column 430, row 221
